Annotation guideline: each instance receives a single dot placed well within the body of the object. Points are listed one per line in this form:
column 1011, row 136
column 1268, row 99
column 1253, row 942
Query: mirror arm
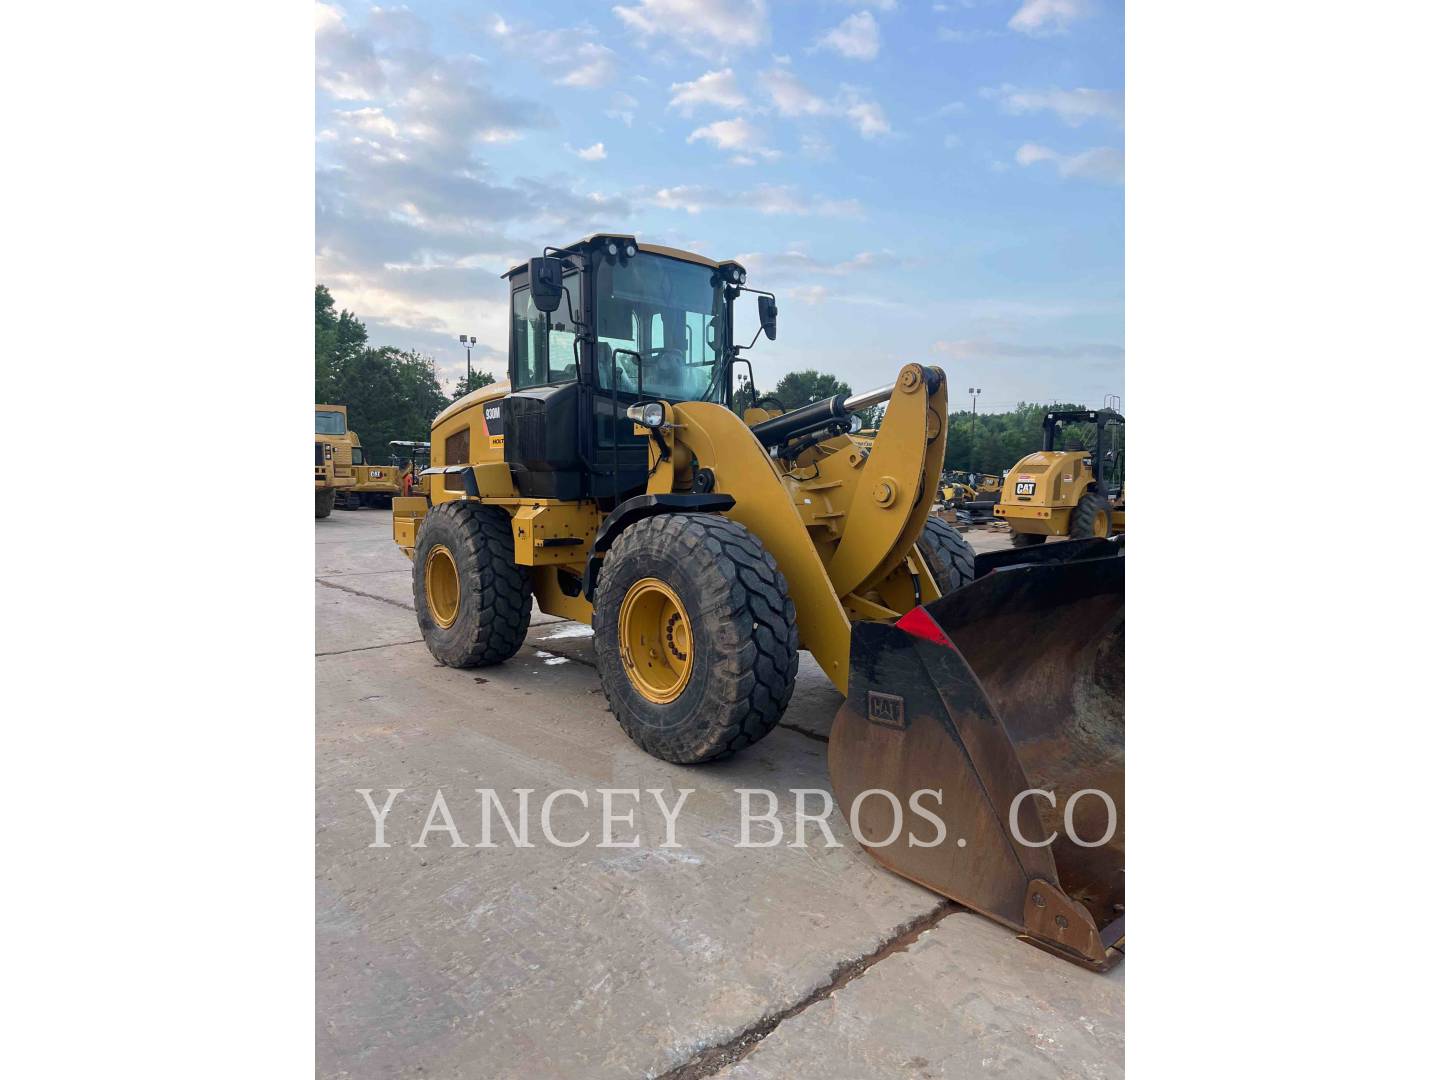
column 742, row 348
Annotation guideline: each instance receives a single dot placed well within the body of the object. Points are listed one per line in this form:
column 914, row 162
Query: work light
column 651, row 413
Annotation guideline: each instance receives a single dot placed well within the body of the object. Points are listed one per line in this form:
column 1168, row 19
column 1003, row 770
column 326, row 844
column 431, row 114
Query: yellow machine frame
column 334, row 470
column 843, row 534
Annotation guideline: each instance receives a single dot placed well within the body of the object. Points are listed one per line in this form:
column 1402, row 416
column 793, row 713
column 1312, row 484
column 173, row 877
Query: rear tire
column 324, row 502
column 1091, row 517
column 471, row 599
column 730, row 684
column 1024, row 540
column 949, row 555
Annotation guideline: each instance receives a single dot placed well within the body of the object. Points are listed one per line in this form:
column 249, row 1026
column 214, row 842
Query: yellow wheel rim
column 656, row 645
column 442, row 586
column 1101, row 526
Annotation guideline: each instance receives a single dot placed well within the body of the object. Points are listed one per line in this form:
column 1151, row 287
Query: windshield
column 329, row 423
column 661, row 326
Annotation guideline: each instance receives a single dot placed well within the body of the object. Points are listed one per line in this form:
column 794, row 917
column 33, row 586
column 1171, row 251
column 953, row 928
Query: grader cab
column 612, row 481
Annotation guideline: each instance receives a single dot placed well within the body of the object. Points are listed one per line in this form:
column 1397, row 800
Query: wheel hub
column 442, row 586
column 656, row 644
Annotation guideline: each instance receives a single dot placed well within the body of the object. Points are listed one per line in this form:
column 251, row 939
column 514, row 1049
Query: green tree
column 1002, row 439
column 339, row 340
column 802, row 387
column 476, row 381
column 389, row 393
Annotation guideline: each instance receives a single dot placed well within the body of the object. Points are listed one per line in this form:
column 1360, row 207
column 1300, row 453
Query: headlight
column 329, row 451
column 612, row 249
column 856, row 423
column 651, row 414
column 629, row 251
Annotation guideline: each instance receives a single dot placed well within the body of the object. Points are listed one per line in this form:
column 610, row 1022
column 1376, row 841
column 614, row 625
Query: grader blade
column 999, row 710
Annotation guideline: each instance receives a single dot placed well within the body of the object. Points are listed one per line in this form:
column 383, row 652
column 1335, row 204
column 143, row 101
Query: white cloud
column 764, row 199
column 713, row 88
column 1030, row 153
column 591, row 153
column 622, row 108
column 1041, row 18
column 593, row 65
column 411, row 224
column 982, row 349
column 346, row 66
column 795, row 264
column 1074, row 107
column 868, row 118
column 735, row 134
column 856, row 38
column 816, row 147
column 1102, row 163
column 570, row 56
column 790, row 96
column 706, row 26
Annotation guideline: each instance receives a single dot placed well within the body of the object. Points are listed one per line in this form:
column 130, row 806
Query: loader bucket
column 976, row 708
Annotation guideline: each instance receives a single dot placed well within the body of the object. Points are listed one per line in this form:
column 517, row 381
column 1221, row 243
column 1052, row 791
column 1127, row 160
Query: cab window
column 543, row 343
column 329, row 423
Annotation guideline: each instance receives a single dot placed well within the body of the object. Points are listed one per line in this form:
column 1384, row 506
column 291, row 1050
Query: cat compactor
column 611, row 481
column 1070, row 493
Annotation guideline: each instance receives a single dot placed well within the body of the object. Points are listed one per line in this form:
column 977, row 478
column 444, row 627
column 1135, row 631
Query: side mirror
column 547, row 283
column 768, row 312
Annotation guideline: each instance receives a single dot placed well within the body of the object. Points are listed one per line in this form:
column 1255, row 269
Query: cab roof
column 654, row 249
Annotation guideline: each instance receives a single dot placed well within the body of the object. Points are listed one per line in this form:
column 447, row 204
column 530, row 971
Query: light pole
column 469, row 343
column 974, row 392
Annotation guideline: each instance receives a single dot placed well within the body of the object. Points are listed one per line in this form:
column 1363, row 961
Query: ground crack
column 803, row 731
column 367, row 595
column 363, row 648
column 711, row 1060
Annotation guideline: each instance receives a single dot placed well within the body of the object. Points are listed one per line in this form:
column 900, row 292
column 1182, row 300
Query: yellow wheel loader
column 333, row 471
column 1066, row 492
column 611, row 480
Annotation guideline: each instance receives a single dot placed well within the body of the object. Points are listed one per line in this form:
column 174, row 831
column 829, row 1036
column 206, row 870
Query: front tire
column 695, row 637
column 324, row 502
column 1091, row 517
column 471, row 599
column 949, row 555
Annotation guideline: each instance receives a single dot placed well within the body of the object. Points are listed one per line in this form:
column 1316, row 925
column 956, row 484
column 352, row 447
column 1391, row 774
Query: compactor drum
column 612, row 481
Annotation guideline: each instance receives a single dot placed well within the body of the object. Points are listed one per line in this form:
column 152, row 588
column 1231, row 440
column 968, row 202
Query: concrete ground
column 702, row 959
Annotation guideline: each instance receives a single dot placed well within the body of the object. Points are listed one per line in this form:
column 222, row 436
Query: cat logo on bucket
column 887, row 710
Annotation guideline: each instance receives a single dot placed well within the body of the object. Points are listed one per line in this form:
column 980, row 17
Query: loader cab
column 595, row 328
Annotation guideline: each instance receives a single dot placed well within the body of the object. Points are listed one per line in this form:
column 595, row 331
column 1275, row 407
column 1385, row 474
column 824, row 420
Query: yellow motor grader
column 611, row 480
column 333, row 471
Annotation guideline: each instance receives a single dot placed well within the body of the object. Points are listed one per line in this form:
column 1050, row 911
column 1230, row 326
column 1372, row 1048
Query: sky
column 916, row 181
